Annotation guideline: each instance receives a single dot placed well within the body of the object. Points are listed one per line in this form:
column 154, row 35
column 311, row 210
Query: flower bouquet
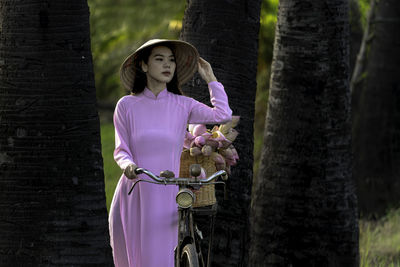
column 213, row 150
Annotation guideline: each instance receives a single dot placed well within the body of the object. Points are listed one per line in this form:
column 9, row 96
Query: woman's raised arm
column 219, row 113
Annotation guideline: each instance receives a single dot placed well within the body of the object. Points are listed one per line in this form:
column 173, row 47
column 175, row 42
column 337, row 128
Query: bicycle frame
column 186, row 233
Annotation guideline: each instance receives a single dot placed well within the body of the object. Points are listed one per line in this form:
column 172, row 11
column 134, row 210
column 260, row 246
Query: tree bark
column 304, row 203
column 226, row 35
column 52, row 199
column 376, row 128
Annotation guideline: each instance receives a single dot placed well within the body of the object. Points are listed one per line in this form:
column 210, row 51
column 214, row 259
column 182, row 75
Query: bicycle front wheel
column 189, row 257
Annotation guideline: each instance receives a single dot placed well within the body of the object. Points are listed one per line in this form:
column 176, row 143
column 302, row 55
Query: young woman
column 150, row 126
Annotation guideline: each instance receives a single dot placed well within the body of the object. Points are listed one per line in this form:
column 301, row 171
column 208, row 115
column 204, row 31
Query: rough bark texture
column 376, row 125
column 52, row 199
column 304, row 203
column 226, row 34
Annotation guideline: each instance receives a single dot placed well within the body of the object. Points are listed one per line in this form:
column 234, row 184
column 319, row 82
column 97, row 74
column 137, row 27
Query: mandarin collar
column 148, row 93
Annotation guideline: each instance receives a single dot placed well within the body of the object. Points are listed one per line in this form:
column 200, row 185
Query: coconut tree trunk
column 376, row 127
column 304, row 203
column 52, row 200
column 226, row 35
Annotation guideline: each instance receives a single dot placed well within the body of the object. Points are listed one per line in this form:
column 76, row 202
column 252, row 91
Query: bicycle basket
column 206, row 195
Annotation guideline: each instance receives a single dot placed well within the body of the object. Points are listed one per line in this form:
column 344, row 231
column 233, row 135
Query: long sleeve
column 122, row 153
column 219, row 113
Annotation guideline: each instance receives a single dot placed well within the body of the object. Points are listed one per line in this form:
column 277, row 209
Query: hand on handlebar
column 130, row 171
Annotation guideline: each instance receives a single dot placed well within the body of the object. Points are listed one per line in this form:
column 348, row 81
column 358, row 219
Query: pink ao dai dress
column 149, row 131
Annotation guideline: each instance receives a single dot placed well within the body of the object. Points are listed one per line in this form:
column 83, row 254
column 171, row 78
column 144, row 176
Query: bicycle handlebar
column 149, row 173
column 176, row 181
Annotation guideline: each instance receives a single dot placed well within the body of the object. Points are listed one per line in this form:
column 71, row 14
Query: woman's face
column 160, row 66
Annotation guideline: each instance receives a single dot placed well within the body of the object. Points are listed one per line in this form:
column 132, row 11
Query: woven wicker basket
column 206, row 195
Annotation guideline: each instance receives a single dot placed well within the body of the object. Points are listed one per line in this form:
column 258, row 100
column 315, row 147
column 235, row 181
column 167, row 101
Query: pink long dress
column 149, row 131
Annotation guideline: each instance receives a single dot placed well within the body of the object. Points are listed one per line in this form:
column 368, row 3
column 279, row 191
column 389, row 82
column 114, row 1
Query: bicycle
column 188, row 251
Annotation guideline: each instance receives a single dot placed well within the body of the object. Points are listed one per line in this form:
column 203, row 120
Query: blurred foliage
column 364, row 8
column 268, row 18
column 118, row 27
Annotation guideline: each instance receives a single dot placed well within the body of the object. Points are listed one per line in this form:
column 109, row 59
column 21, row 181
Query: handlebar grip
column 138, row 170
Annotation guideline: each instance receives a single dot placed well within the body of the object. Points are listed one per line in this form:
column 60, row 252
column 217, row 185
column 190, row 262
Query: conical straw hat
column 186, row 58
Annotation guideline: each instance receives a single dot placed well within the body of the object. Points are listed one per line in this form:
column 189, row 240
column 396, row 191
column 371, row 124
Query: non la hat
column 186, row 58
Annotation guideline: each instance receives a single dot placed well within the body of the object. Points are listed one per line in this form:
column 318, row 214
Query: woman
column 150, row 125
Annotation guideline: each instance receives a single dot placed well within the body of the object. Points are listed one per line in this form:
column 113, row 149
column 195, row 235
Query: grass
column 112, row 172
column 379, row 240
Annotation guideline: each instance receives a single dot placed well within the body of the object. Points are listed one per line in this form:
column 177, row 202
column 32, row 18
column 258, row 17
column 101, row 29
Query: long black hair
column 140, row 78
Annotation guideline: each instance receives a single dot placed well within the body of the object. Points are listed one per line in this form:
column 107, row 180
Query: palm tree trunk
column 304, row 204
column 376, row 127
column 52, row 200
column 226, row 35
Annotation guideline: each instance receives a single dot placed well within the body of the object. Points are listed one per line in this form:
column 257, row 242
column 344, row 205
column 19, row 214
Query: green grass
column 112, row 172
column 379, row 240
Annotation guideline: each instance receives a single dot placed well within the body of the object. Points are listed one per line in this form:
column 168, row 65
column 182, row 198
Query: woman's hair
column 140, row 78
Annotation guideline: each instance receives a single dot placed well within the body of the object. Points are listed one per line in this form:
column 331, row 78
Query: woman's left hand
column 206, row 71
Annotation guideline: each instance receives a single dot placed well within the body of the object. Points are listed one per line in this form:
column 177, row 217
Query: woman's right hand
column 205, row 71
column 129, row 171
